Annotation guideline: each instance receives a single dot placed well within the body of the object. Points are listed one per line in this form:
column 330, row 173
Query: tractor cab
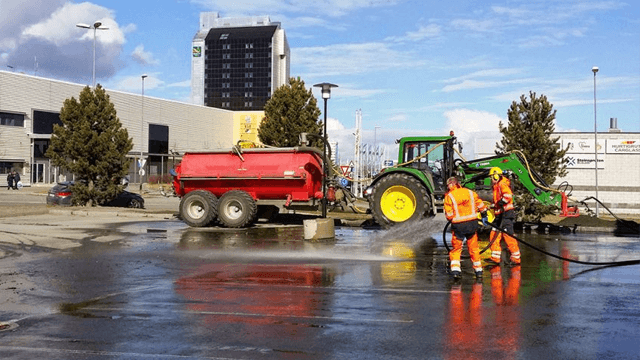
column 433, row 156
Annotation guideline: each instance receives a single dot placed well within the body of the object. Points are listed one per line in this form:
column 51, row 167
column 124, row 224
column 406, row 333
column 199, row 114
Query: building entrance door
column 38, row 175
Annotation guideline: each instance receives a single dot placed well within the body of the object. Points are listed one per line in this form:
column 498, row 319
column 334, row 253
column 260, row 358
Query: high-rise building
column 237, row 63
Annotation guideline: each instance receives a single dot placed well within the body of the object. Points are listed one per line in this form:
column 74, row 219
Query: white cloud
column 349, row 59
column 60, row 27
column 62, row 49
column 186, row 83
column 348, row 90
column 475, row 84
column 143, row 57
column 423, row 32
column 134, row 83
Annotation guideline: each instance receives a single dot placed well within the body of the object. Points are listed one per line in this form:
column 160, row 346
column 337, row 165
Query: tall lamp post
column 141, row 163
column 376, row 154
column 595, row 133
column 96, row 26
column 326, row 95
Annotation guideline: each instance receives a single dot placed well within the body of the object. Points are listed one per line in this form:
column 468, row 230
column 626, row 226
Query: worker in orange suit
column 461, row 207
column 505, row 216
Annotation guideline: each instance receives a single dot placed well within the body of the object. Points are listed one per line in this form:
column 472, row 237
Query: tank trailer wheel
column 236, row 209
column 398, row 198
column 198, row 208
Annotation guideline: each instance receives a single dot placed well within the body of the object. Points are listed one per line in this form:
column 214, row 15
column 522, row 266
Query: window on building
column 158, row 139
column 40, row 148
column 226, row 46
column 248, row 56
column 43, row 121
column 248, row 66
column 9, row 119
column 224, row 36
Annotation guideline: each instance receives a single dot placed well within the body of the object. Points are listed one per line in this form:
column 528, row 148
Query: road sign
column 141, row 172
column 141, row 162
column 345, row 169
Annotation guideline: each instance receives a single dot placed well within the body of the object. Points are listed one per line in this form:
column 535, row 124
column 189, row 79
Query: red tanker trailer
column 232, row 186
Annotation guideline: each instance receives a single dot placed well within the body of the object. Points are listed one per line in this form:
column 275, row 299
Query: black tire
column 135, row 204
column 399, row 198
column 236, row 209
column 198, row 208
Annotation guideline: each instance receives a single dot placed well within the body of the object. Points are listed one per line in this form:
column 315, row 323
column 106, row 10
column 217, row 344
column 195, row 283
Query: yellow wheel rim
column 398, row 203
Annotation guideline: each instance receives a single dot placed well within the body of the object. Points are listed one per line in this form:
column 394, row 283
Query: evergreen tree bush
column 91, row 144
column 290, row 111
column 530, row 129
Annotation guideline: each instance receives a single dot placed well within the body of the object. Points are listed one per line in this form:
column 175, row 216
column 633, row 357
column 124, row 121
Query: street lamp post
column 326, row 94
column 141, row 171
column 96, row 25
column 595, row 133
column 376, row 154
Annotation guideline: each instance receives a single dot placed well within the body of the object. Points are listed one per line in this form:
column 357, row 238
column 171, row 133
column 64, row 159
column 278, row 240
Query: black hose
column 606, row 263
column 444, row 240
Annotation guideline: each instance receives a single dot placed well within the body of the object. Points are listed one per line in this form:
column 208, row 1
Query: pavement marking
column 223, row 313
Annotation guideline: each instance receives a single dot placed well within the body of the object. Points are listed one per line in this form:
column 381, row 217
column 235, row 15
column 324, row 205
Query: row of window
column 228, row 104
column 228, row 85
column 247, row 94
column 246, row 56
column 228, row 46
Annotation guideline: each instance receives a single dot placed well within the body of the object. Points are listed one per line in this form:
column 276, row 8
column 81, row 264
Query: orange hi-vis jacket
column 502, row 191
column 462, row 204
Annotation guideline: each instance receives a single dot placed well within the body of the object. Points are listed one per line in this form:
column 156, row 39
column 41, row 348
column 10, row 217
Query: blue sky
column 412, row 67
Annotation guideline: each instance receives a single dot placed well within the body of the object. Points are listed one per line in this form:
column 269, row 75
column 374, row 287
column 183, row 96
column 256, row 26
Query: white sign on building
column 584, row 161
column 582, row 146
column 625, row 146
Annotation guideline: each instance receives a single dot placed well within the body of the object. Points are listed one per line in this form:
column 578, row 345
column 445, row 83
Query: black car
column 60, row 194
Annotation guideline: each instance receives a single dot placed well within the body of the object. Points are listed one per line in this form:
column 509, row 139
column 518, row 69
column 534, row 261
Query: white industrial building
column 161, row 129
column 618, row 174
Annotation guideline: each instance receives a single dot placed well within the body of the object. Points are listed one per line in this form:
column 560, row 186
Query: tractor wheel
column 236, row 208
column 398, row 198
column 198, row 208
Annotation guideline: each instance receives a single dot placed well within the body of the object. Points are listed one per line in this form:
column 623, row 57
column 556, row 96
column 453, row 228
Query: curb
column 86, row 213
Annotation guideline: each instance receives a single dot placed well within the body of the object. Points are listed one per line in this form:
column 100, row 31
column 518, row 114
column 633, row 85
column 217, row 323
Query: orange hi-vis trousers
column 496, row 247
column 474, row 251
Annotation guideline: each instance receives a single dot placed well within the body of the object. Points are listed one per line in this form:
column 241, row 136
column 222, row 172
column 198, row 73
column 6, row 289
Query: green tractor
column 415, row 188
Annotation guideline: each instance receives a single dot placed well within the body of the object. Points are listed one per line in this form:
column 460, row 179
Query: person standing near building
column 10, row 180
column 461, row 207
column 505, row 216
column 16, row 180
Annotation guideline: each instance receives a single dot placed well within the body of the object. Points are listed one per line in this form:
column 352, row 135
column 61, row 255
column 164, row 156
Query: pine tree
column 530, row 129
column 290, row 111
column 91, row 144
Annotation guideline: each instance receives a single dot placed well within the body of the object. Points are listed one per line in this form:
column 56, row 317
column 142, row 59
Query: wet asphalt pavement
column 171, row 292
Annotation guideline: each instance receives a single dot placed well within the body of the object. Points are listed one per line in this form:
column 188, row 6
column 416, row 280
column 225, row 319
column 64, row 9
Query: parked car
column 60, row 194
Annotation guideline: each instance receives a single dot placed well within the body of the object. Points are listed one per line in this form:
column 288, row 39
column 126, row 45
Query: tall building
column 237, row 63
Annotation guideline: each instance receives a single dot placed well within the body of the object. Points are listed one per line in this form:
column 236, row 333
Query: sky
column 411, row 67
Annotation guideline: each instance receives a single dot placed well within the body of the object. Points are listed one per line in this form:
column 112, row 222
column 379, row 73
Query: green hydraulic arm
column 475, row 173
